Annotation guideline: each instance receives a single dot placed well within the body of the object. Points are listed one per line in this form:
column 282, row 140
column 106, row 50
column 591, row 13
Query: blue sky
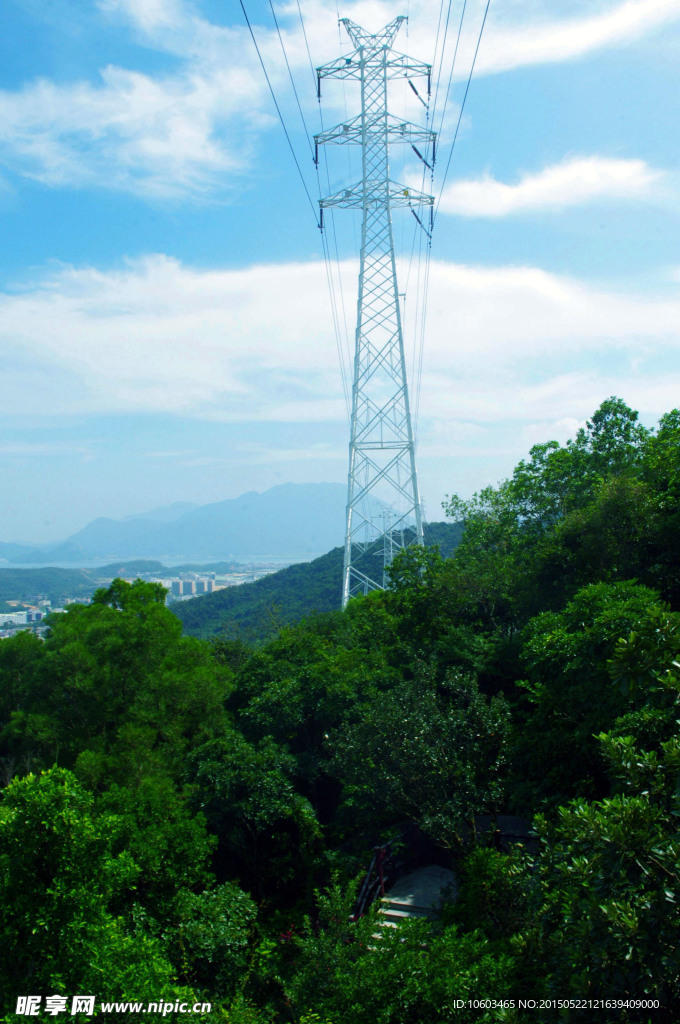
column 165, row 321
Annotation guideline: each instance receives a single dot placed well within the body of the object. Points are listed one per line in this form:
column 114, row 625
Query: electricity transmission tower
column 382, row 470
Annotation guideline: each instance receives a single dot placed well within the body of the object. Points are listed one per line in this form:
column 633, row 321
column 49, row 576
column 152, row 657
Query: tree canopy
column 192, row 819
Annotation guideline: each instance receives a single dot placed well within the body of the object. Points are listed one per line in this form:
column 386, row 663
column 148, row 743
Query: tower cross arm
column 377, row 193
column 398, row 66
column 352, row 131
column 343, row 67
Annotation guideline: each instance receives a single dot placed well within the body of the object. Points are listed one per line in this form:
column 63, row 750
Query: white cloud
column 149, row 15
column 257, row 344
column 185, row 131
column 191, row 130
column 156, row 137
column 551, row 40
column 158, row 336
column 574, row 181
column 495, row 317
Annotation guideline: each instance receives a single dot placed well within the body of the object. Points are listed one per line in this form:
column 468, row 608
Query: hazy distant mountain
column 14, row 552
column 291, row 519
column 164, row 514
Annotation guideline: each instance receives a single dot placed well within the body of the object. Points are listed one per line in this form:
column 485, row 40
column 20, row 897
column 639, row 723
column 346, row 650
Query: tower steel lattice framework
column 383, row 506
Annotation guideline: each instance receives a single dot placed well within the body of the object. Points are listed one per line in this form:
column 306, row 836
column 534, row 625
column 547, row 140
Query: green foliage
column 60, row 884
column 569, row 516
column 606, row 885
column 348, row 974
column 539, row 665
column 268, row 833
column 303, row 684
column 258, row 610
column 609, row 919
column 495, row 893
column 115, row 679
column 211, row 938
column 452, row 613
column 569, row 689
column 648, row 655
column 436, row 758
column 170, row 844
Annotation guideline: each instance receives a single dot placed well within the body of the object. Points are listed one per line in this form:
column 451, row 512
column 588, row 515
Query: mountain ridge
column 288, row 519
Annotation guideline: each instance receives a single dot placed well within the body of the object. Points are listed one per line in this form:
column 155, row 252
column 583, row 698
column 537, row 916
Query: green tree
column 570, row 695
column 268, row 834
column 434, row 755
column 568, row 516
column 349, row 974
column 61, row 889
column 170, row 843
column 114, row 687
column 609, row 919
column 211, row 938
column 300, row 686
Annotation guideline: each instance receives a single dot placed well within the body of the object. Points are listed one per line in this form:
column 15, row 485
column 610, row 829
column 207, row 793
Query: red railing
column 373, row 885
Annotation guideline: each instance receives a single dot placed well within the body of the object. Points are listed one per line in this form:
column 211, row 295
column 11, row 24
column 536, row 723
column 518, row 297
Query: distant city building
column 13, row 618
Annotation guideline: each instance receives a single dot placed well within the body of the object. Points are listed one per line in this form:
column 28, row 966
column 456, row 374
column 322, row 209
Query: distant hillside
column 137, row 567
column 15, row 552
column 259, row 609
column 291, row 519
column 52, row 584
column 57, row 584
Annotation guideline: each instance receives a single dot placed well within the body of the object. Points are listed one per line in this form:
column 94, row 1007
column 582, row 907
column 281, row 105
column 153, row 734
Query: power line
column 336, row 319
column 436, row 43
column 278, row 111
column 453, row 65
column 304, row 33
column 332, row 266
column 462, row 108
column 292, row 80
column 345, row 367
column 441, row 55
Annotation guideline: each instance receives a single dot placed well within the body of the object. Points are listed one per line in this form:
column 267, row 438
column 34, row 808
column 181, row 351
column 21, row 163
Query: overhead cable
column 453, row 65
column 441, row 55
column 290, row 75
column 278, row 111
column 304, row 33
column 462, row 108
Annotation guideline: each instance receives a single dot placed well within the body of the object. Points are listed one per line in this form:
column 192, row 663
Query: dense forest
column 187, row 820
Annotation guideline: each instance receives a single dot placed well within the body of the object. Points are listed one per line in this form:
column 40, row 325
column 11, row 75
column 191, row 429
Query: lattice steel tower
column 383, row 507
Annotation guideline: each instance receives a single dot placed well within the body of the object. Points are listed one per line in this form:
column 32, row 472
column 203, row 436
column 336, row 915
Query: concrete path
column 418, row 894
